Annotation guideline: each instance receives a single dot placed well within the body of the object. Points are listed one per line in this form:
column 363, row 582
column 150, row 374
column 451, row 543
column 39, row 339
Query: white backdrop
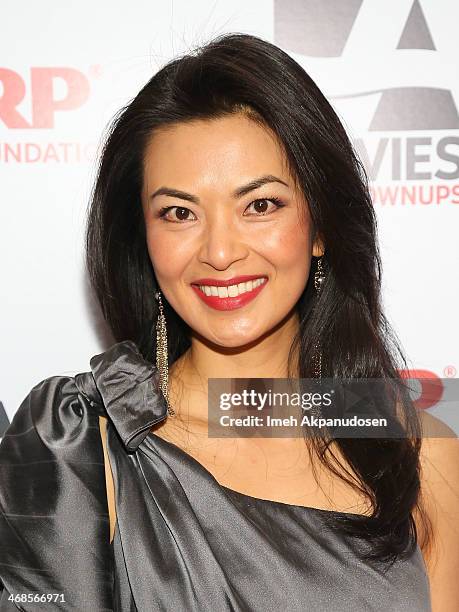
column 389, row 69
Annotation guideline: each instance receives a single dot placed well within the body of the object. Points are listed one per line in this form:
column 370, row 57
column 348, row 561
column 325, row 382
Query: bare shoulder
column 439, row 474
column 434, row 427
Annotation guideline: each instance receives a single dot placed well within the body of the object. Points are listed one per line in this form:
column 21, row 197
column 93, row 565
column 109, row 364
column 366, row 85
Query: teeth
column 232, row 290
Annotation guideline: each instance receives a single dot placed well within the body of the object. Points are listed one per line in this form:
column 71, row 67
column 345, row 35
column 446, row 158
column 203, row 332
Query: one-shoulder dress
column 183, row 542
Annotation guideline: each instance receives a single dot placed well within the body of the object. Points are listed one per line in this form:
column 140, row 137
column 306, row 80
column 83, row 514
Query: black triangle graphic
column 415, row 108
column 416, row 33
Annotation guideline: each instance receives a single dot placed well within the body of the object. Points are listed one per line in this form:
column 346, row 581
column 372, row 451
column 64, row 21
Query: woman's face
column 214, row 233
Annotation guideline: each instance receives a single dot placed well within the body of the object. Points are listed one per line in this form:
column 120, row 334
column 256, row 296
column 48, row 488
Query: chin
column 235, row 341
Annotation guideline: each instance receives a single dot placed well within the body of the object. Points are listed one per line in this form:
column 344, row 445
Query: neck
column 265, row 358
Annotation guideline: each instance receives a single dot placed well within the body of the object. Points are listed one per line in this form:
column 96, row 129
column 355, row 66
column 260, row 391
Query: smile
column 232, row 290
column 232, row 296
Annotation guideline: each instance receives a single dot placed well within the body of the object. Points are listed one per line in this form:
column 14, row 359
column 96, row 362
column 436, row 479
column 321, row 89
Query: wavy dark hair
column 243, row 73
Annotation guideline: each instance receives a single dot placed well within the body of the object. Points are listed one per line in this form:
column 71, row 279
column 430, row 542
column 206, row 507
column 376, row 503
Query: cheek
column 167, row 254
column 288, row 248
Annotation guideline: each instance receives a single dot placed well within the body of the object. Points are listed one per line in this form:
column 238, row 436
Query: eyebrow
column 237, row 193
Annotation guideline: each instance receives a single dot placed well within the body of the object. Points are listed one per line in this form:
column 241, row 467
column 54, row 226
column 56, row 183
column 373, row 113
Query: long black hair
column 242, row 73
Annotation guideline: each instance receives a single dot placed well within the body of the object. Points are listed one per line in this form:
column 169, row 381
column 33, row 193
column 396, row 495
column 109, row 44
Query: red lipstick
column 228, row 303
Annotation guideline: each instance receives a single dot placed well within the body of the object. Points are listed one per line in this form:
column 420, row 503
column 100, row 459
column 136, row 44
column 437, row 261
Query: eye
column 276, row 201
column 182, row 213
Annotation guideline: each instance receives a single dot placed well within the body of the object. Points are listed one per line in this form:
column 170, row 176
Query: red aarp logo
column 432, row 387
column 43, row 103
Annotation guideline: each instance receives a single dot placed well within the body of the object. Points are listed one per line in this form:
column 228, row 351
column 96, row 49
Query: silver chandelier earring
column 162, row 353
column 319, row 279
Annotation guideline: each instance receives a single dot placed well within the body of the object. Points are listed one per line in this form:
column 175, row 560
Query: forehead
column 231, row 148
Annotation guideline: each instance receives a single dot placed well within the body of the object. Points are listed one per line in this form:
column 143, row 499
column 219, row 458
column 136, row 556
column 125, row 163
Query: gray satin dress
column 182, row 542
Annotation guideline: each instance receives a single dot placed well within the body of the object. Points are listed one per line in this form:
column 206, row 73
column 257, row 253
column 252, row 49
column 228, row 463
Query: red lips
column 228, row 303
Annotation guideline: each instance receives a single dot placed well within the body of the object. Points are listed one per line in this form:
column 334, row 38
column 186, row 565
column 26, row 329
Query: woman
column 229, row 163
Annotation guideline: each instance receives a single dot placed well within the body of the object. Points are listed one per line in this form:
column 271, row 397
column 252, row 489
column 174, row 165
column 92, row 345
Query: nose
column 222, row 242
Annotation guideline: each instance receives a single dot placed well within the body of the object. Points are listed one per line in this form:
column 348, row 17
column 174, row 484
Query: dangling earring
column 319, row 279
column 162, row 353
